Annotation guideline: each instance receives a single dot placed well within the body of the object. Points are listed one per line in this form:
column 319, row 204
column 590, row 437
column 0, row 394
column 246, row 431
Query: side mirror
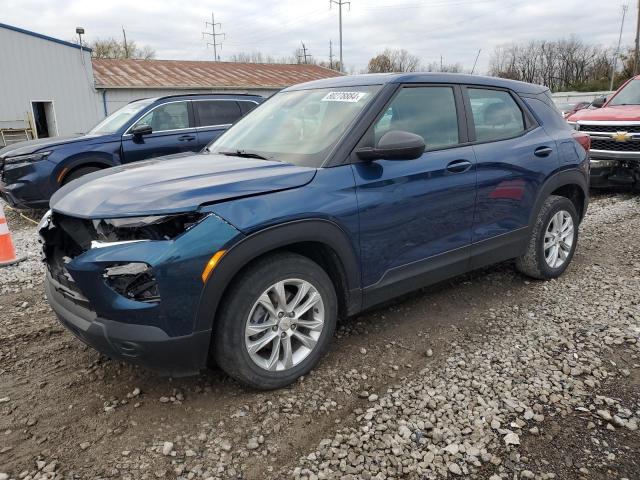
column 394, row 145
column 142, row 129
column 598, row 102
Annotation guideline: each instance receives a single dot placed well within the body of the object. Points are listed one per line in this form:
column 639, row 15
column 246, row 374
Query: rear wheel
column 553, row 240
column 276, row 321
column 80, row 172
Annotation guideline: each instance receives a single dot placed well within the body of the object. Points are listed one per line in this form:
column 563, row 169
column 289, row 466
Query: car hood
column 614, row 113
column 178, row 184
column 31, row 146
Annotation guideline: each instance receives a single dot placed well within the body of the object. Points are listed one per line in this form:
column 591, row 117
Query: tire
column 80, row 172
column 241, row 313
column 535, row 262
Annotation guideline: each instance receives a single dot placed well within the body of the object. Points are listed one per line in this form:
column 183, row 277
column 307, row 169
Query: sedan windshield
column 299, row 126
column 629, row 95
column 119, row 118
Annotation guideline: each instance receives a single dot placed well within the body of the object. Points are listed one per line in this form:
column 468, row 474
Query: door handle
column 543, row 151
column 186, row 138
column 459, row 166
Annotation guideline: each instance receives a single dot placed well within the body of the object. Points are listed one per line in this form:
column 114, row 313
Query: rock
column 85, row 445
column 167, row 448
column 605, row 415
column 373, row 397
column 225, row 445
column 253, row 444
column 512, row 439
column 429, row 352
column 527, row 474
column 5, row 399
column 454, row 468
column 4, row 476
column 452, row 448
column 363, row 350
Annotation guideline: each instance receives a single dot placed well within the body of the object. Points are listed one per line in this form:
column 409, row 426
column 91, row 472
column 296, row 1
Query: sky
column 455, row 29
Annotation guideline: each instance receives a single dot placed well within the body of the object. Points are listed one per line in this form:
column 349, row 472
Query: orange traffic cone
column 7, row 252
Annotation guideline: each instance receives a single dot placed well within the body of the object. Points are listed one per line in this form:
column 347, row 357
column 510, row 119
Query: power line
column 214, row 36
column 340, row 3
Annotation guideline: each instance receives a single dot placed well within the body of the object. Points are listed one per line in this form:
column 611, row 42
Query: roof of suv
column 384, row 78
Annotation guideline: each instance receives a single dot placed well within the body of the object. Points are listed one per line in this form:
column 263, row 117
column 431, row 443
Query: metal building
column 46, row 87
column 121, row 81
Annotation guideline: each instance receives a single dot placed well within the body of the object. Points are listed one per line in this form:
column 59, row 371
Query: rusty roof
column 129, row 73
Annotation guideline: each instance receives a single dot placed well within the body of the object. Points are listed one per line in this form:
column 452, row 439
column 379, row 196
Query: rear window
column 496, row 115
column 216, row 112
column 246, row 106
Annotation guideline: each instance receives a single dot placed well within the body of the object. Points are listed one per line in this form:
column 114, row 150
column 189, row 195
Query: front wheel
column 553, row 240
column 276, row 321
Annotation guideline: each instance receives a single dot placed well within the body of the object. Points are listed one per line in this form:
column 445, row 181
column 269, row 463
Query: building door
column 44, row 119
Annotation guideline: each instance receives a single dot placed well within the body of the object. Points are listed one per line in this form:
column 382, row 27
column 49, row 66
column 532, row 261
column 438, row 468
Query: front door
column 172, row 132
column 416, row 215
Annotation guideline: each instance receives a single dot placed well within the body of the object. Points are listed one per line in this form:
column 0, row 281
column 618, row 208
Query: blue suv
column 30, row 172
column 331, row 197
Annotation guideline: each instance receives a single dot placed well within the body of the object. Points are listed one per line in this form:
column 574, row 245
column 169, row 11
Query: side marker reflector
column 211, row 264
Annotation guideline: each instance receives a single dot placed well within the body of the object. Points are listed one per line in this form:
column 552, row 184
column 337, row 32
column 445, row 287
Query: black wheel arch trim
column 273, row 238
column 558, row 180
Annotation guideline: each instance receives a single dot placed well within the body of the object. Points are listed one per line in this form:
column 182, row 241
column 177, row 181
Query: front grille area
column 610, row 128
column 612, row 145
column 59, row 248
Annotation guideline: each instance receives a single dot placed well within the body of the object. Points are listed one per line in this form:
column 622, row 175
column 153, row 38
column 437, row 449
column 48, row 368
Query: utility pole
column 340, row 3
column 304, row 53
column 214, row 36
column 330, row 55
column 635, row 57
column 615, row 58
column 126, row 48
column 441, row 66
column 474, row 63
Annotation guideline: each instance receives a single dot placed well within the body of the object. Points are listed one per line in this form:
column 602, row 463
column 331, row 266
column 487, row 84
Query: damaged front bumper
column 135, row 300
column 609, row 169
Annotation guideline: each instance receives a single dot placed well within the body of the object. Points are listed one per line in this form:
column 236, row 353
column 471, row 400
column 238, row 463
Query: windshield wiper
column 245, row 154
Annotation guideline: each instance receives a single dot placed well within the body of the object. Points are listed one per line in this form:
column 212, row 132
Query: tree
column 565, row 64
column 398, row 60
column 112, row 48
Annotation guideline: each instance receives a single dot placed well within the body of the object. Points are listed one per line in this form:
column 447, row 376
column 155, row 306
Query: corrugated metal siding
column 119, row 97
column 35, row 69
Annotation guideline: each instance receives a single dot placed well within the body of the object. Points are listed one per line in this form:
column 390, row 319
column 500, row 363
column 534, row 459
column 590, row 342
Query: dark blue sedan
column 30, row 172
column 332, row 197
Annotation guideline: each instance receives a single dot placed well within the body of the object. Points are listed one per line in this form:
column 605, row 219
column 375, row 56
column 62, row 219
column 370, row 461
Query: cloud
column 455, row 29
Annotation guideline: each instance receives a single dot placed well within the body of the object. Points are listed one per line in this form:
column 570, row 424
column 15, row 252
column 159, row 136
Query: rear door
column 213, row 117
column 173, row 131
column 514, row 155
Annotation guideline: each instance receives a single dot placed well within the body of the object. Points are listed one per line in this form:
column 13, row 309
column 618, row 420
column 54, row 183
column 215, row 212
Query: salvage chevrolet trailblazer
column 330, row 198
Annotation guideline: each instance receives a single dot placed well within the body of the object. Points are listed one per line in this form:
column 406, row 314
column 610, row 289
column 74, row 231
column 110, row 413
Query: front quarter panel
column 177, row 266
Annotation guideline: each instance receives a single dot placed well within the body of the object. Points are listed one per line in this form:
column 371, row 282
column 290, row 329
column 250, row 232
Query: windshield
column 120, row 117
column 629, row 95
column 299, row 127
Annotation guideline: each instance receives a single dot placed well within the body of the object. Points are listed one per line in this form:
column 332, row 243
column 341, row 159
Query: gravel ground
column 489, row 376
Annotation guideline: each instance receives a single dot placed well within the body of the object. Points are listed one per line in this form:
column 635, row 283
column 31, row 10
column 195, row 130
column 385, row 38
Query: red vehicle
column 614, row 129
column 568, row 109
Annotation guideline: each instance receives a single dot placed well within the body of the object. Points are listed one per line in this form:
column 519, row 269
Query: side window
column 170, row 116
column 426, row 111
column 246, row 107
column 216, row 112
column 496, row 114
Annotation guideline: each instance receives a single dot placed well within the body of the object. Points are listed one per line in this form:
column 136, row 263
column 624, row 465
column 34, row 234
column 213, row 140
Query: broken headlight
column 155, row 227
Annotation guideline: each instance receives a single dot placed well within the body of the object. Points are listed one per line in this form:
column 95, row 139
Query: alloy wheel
column 558, row 239
column 284, row 325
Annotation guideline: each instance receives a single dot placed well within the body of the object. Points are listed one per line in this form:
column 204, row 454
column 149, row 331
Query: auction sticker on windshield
column 350, row 97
